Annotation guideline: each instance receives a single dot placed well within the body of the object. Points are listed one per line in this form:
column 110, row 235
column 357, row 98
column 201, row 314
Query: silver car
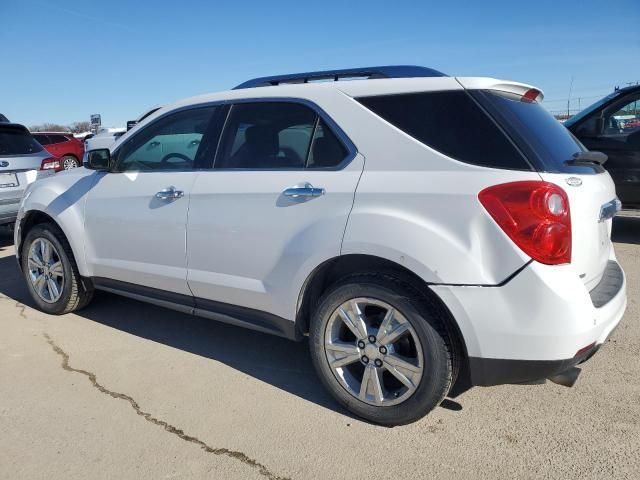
column 22, row 161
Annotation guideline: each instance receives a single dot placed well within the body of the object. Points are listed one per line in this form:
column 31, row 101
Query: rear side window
column 266, row 135
column 42, row 139
column 451, row 123
column 58, row 138
column 278, row 135
column 14, row 141
column 326, row 150
column 548, row 144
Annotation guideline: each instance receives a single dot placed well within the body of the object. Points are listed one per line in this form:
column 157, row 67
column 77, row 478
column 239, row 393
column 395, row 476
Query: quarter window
column 451, row 123
column 171, row 143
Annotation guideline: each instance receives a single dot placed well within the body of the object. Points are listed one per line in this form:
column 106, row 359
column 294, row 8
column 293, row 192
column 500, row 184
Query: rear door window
column 452, row 123
column 266, row 135
column 326, row 150
column 42, row 139
column 58, row 138
column 16, row 141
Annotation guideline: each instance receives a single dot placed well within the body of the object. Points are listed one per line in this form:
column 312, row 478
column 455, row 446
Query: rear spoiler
column 527, row 92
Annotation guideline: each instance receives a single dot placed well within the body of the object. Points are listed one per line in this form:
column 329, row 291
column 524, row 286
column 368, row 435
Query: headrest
column 262, row 139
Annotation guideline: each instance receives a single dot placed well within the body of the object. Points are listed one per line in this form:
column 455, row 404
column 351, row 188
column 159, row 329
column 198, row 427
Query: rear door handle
column 306, row 190
column 170, row 193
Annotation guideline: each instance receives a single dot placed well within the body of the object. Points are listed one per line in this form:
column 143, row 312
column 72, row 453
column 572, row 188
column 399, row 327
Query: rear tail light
column 535, row 216
column 51, row 163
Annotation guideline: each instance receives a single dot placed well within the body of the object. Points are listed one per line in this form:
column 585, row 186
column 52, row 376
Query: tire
column 69, row 161
column 426, row 343
column 72, row 292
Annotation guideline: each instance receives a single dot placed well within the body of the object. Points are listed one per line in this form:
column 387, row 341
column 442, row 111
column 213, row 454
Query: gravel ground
column 128, row 390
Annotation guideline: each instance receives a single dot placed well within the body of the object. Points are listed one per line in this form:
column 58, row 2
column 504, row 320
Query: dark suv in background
column 612, row 126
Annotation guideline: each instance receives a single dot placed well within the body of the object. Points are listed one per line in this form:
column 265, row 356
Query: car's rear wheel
column 51, row 271
column 381, row 349
column 69, row 161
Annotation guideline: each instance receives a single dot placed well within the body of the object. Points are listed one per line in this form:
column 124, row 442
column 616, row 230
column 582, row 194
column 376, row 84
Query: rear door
column 274, row 206
column 551, row 149
column 59, row 145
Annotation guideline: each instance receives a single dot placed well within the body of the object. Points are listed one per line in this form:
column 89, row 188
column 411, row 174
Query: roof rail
column 388, row 71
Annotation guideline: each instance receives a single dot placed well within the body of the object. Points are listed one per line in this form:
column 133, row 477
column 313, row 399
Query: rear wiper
column 580, row 158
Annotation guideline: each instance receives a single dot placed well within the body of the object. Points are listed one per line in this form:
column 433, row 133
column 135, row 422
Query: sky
column 61, row 61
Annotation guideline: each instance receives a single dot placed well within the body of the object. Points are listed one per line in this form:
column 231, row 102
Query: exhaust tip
column 568, row 378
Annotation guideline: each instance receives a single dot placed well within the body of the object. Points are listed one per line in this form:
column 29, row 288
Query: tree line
column 75, row 127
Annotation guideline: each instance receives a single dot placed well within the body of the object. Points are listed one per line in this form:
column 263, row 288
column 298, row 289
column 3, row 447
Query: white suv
column 421, row 229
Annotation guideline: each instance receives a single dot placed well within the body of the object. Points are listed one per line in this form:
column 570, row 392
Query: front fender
column 61, row 197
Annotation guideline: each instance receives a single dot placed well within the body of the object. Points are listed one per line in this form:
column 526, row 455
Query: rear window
column 547, row 143
column 452, row 123
column 14, row 141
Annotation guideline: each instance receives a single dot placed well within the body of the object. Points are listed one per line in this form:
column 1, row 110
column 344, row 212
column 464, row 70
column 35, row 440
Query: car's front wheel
column 51, row 271
column 381, row 349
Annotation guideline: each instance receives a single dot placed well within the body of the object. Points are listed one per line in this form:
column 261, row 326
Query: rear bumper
column 497, row 371
column 543, row 321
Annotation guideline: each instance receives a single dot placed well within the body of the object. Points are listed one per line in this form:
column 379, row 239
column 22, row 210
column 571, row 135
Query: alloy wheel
column 373, row 351
column 69, row 163
column 46, row 271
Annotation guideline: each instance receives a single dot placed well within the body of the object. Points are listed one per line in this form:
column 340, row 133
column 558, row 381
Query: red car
column 62, row 145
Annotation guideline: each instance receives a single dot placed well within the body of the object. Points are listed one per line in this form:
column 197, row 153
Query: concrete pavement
column 129, row 390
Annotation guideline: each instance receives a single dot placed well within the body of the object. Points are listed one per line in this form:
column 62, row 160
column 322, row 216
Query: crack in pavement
column 21, row 306
column 262, row 469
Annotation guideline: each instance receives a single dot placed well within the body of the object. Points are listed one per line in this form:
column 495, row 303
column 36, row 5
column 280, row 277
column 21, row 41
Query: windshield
column 544, row 140
column 583, row 113
column 16, row 141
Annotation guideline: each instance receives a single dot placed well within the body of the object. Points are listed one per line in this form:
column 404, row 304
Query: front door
column 136, row 215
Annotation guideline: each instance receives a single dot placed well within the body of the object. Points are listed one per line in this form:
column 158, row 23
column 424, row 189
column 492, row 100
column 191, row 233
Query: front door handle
column 170, row 193
column 305, row 190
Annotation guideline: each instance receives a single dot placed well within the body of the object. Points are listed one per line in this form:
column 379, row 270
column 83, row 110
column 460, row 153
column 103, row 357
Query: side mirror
column 99, row 159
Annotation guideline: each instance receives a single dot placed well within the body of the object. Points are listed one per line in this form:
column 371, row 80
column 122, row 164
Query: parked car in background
column 611, row 126
column 3, row 119
column 104, row 138
column 418, row 228
column 21, row 159
column 62, row 145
